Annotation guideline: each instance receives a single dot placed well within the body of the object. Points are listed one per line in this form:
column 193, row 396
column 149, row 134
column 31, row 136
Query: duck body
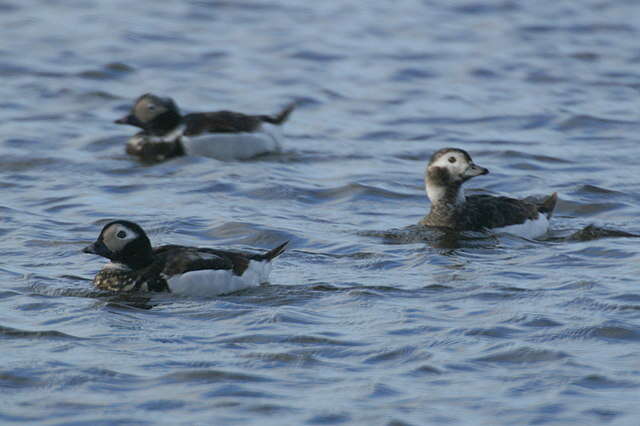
column 448, row 170
column 235, row 146
column 224, row 135
column 189, row 271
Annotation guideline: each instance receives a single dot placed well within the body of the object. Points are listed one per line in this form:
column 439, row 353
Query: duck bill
column 130, row 120
column 474, row 170
column 98, row 248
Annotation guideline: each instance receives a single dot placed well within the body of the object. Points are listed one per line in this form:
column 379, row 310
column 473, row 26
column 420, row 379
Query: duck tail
column 548, row 205
column 273, row 253
column 281, row 117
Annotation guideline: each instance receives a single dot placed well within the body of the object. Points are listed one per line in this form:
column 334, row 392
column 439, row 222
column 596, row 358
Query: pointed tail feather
column 281, row 117
column 548, row 205
column 273, row 253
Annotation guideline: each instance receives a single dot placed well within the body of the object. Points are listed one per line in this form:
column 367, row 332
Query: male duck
column 224, row 135
column 191, row 271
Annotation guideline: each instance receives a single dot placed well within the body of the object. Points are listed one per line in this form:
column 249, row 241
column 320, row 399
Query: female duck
column 448, row 170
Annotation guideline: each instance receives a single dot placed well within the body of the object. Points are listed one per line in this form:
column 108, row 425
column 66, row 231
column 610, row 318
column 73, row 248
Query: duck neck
column 140, row 261
column 165, row 123
column 450, row 195
column 138, row 254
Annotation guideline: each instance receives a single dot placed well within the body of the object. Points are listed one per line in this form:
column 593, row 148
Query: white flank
column 207, row 283
column 529, row 229
column 235, row 146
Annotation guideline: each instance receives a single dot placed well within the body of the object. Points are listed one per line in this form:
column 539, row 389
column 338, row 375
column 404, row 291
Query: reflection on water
column 593, row 232
column 439, row 238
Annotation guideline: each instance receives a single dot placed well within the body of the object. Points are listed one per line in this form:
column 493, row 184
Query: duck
column 136, row 266
column 448, row 170
column 224, row 135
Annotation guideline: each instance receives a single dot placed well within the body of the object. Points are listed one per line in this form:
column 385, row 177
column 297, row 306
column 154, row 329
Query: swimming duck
column 448, row 170
column 225, row 135
column 193, row 271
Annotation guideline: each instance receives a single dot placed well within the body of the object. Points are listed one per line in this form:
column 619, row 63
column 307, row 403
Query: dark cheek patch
column 439, row 175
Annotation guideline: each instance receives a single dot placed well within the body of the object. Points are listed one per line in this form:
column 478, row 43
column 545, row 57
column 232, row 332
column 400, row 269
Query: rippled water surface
column 365, row 321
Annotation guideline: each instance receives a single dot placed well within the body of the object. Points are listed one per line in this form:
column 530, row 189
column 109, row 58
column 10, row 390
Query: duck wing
column 488, row 211
column 175, row 260
column 220, row 122
column 240, row 260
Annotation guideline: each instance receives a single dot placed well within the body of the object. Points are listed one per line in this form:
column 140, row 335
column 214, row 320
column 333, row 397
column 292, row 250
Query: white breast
column 529, row 229
column 138, row 140
column 116, row 266
column 235, row 146
column 208, row 283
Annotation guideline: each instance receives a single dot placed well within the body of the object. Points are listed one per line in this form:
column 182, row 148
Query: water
column 364, row 322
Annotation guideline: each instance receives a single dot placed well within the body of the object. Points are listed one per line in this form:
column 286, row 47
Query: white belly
column 235, row 146
column 208, row 283
column 529, row 229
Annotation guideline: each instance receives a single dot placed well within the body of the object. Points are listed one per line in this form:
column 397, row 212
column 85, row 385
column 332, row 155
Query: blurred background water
column 362, row 323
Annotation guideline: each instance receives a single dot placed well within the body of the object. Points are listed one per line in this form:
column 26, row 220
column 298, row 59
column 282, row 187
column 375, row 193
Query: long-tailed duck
column 224, row 135
column 448, row 169
column 190, row 271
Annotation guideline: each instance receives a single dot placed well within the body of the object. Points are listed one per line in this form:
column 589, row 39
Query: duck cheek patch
column 439, row 176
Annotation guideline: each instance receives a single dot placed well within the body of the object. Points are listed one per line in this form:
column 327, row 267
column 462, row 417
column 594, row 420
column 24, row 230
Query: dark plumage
column 486, row 211
column 154, row 151
column 447, row 171
column 137, row 266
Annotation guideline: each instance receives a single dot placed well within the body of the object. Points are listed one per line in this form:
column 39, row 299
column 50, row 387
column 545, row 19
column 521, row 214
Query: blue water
column 363, row 322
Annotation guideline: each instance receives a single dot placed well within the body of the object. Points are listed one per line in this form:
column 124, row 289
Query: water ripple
column 368, row 318
column 524, row 355
column 38, row 334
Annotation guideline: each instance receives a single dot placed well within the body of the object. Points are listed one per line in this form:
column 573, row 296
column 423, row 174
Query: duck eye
column 121, row 235
column 452, row 160
column 151, row 107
